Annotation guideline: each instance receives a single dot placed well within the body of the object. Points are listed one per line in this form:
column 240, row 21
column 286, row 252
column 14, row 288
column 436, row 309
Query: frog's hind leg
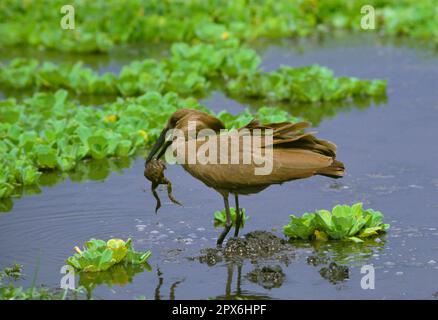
column 154, row 192
column 170, row 195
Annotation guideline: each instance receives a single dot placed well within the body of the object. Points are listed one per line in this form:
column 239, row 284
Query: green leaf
column 123, row 148
column 355, row 239
column 302, row 228
column 118, row 247
column 46, row 156
column 98, row 146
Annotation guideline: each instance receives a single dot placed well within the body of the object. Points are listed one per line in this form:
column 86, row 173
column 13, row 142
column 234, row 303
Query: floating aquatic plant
column 309, row 84
column 10, row 291
column 98, row 255
column 106, row 23
column 342, row 223
column 189, row 71
column 220, row 217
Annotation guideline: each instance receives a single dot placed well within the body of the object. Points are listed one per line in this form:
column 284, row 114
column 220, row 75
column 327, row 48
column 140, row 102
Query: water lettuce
column 342, row 223
column 191, row 70
column 106, row 23
column 220, row 217
column 10, row 291
column 98, row 255
column 309, row 84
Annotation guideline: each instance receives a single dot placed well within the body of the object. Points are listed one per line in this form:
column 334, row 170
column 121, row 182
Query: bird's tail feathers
column 335, row 170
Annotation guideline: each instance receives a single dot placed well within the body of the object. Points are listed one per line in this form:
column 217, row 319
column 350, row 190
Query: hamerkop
column 295, row 155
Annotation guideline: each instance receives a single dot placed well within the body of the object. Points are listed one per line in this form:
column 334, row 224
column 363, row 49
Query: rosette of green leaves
column 95, row 257
column 99, row 255
column 342, row 223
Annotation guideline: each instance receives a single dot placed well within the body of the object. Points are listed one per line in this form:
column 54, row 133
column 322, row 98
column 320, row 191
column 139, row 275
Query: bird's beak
column 160, row 144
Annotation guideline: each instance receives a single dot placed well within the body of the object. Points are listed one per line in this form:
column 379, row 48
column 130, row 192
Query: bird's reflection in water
column 237, row 293
column 256, row 248
column 172, row 290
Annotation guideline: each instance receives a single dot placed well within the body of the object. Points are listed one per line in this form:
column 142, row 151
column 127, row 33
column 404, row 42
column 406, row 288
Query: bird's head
column 180, row 120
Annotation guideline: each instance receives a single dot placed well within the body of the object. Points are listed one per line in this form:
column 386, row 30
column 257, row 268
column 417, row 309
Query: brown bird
column 295, row 155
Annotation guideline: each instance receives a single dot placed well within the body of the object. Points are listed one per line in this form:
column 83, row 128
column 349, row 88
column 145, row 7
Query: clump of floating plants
column 98, row 255
column 107, row 23
column 343, row 223
column 10, row 291
column 191, row 70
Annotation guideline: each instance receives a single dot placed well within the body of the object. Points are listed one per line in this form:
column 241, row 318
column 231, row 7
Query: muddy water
column 391, row 155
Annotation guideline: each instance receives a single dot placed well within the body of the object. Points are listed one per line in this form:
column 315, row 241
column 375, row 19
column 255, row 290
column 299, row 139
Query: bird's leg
column 228, row 223
column 238, row 216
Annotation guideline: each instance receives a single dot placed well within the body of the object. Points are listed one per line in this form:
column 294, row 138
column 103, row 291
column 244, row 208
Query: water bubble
column 187, row 240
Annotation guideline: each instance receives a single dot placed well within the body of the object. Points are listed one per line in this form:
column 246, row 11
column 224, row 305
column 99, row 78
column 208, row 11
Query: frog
column 154, row 172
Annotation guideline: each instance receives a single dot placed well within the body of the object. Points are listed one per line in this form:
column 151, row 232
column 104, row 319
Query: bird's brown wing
column 295, row 155
column 291, row 135
column 286, row 164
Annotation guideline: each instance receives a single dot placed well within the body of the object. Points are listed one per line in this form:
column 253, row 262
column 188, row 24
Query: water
column 391, row 157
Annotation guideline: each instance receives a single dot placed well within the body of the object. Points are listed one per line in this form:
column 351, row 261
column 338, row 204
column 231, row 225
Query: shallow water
column 391, row 156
